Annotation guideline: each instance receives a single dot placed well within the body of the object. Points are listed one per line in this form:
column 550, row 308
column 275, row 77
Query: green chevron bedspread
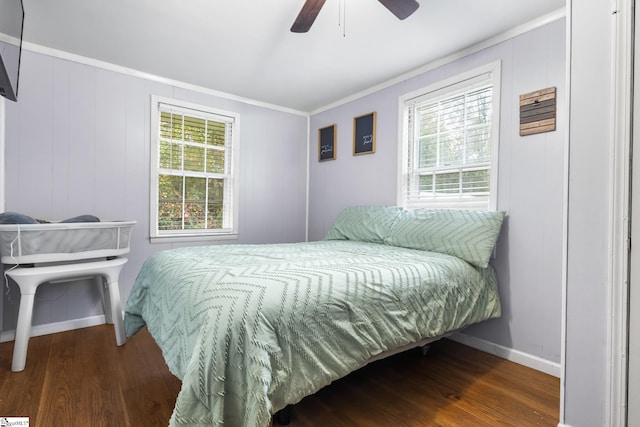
column 251, row 328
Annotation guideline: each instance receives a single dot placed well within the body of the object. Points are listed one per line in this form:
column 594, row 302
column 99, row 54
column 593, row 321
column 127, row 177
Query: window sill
column 193, row 238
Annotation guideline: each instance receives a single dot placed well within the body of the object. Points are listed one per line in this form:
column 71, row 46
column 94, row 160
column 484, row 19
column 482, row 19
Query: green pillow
column 364, row 223
column 467, row 234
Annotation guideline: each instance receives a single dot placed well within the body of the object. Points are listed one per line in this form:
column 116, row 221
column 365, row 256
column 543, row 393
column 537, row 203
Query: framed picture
column 327, row 143
column 364, row 134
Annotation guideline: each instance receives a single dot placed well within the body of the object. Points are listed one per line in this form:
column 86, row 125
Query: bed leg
column 424, row 350
column 283, row 416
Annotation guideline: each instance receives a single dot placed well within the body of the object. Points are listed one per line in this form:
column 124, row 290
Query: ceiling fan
column 400, row 8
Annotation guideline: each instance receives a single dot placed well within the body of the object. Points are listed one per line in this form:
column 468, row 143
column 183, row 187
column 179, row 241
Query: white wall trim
column 522, row 29
column 53, row 328
column 2, row 154
column 619, row 237
column 516, row 356
column 2, row 171
column 565, row 215
column 514, row 32
column 307, row 200
column 153, row 77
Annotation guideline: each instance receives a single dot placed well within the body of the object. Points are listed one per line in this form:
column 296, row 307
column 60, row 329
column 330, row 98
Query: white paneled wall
column 78, row 142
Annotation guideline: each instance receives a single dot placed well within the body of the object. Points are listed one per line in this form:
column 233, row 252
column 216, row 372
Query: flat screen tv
column 11, row 24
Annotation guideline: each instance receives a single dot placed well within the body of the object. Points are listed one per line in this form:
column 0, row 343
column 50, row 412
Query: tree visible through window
column 448, row 144
column 194, row 186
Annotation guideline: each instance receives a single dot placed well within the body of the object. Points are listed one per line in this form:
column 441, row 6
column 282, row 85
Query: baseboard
column 52, row 328
column 519, row 357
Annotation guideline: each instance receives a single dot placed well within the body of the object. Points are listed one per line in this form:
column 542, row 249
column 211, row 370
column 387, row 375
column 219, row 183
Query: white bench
column 29, row 278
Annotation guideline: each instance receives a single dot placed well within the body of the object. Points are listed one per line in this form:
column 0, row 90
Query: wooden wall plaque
column 538, row 111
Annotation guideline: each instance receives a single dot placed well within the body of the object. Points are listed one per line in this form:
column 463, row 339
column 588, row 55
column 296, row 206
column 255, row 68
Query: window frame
column 451, row 86
column 183, row 107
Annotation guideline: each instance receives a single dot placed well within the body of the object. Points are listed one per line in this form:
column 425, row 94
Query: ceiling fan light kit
column 402, row 9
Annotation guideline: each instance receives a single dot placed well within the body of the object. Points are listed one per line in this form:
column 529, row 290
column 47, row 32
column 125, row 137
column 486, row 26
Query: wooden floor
column 80, row 378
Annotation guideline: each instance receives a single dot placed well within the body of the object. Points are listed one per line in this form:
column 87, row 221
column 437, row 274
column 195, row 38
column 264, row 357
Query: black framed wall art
column 327, row 138
column 364, row 134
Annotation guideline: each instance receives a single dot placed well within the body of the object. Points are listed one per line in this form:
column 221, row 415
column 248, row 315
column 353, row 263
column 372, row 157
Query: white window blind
column 193, row 190
column 448, row 145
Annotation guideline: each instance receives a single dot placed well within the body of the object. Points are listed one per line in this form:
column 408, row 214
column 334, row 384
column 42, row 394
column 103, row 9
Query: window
column 193, row 191
column 450, row 142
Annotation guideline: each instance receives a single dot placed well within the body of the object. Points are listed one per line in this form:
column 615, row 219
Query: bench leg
column 23, row 332
column 106, row 300
column 116, row 312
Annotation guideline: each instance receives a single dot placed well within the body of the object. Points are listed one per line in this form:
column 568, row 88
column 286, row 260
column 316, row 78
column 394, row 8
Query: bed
column 250, row 329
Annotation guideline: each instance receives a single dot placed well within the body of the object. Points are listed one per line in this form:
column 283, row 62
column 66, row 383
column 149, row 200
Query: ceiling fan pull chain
column 342, row 17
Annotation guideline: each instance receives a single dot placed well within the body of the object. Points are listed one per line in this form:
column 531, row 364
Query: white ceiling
column 245, row 48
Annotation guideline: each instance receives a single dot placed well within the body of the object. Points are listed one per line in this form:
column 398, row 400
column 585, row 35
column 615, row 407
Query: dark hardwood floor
column 81, row 378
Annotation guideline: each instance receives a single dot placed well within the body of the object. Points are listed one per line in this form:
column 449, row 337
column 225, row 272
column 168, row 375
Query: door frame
column 621, row 272
column 631, row 372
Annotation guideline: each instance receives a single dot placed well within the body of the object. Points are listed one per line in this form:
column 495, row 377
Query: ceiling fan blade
column 307, row 15
column 401, row 8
